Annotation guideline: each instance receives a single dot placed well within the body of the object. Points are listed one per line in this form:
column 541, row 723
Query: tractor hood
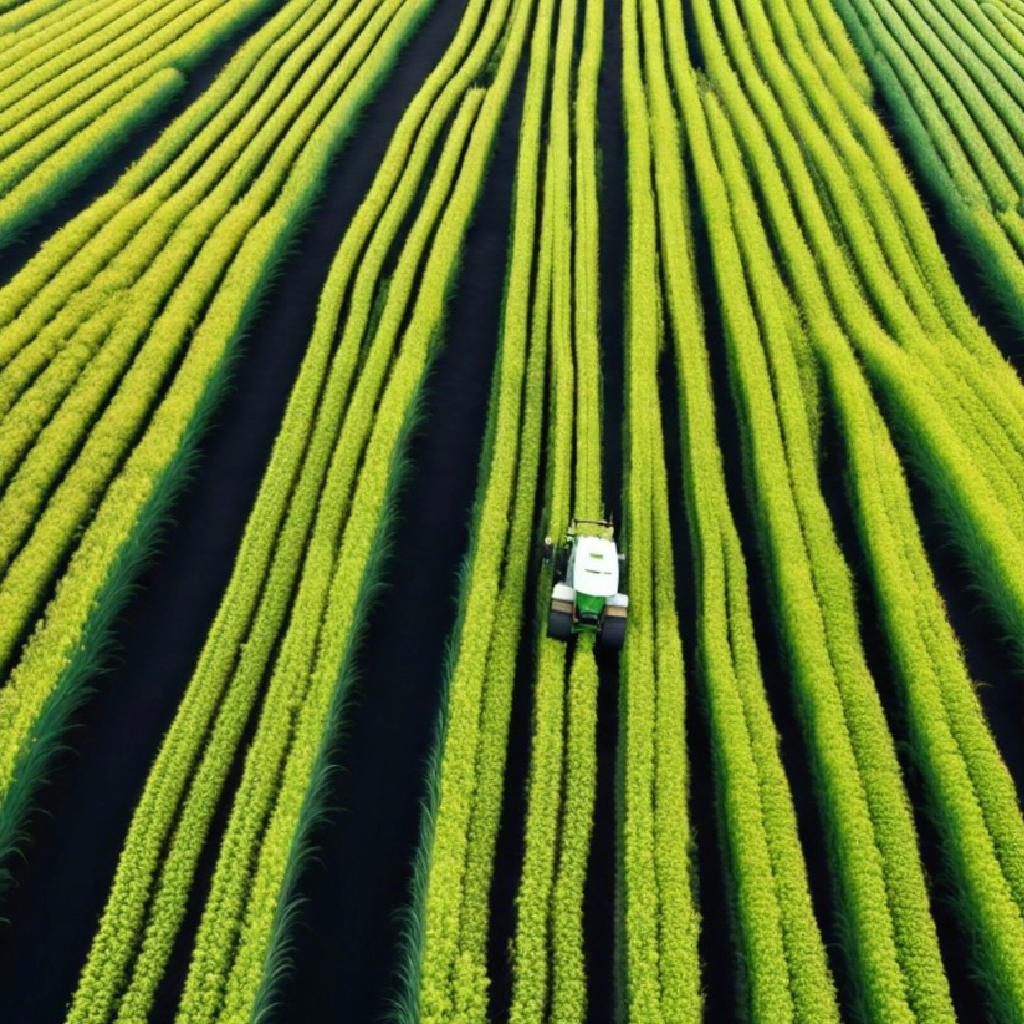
column 595, row 568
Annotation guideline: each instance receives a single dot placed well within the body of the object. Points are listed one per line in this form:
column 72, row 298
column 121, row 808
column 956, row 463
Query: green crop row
column 56, row 175
column 981, row 493
column 953, row 75
column 24, row 16
column 111, row 251
column 252, row 611
column 575, row 287
column 61, row 645
column 659, row 973
column 79, row 250
column 148, row 324
column 533, row 965
column 117, row 29
column 218, row 965
column 250, row 890
column 968, row 785
column 45, row 141
column 893, row 945
column 786, row 972
column 447, row 978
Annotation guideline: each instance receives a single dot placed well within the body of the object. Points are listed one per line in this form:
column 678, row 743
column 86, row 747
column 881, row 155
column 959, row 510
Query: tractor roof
column 595, row 567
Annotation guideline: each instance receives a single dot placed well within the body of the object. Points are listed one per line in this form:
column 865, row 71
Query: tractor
column 587, row 569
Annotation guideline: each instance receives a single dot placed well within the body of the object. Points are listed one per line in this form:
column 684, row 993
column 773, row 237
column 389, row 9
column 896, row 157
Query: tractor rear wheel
column 559, row 625
column 613, row 632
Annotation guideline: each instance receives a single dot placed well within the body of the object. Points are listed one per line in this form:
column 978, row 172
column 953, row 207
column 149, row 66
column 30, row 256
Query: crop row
column 258, row 596
column 892, row 941
column 650, row 978
column 230, row 279
column 257, row 902
column 548, row 967
column 965, row 779
column 786, row 975
column 50, row 127
column 981, row 409
column 953, row 76
column 447, row 976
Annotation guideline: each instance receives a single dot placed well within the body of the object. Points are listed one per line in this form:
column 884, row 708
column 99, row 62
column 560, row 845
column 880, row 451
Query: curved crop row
column 55, row 176
column 953, row 76
column 969, row 449
column 45, row 138
column 251, row 886
column 60, row 647
column 969, row 786
column 892, row 939
column 230, row 130
column 786, row 972
column 144, row 324
column 255, row 603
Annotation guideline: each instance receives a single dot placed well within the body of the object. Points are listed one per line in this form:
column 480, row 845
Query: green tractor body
column 586, row 596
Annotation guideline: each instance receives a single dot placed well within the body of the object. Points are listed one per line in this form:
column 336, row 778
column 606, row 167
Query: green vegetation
column 810, row 411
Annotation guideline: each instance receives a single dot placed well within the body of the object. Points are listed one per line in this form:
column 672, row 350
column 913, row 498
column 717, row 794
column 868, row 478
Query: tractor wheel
column 613, row 632
column 559, row 625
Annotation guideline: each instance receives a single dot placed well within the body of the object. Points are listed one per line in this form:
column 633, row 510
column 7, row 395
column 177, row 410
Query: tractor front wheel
column 559, row 625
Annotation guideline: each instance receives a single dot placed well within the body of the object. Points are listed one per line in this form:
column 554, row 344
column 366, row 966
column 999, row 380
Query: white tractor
column 587, row 570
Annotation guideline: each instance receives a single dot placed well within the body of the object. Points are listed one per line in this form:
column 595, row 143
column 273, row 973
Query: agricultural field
column 511, row 511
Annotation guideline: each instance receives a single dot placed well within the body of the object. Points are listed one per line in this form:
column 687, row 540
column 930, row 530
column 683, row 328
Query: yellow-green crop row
column 549, row 975
column 56, row 175
column 573, row 130
column 953, row 75
column 132, row 340
column 658, row 927
column 45, row 142
column 254, row 606
column 447, row 976
column 894, row 947
column 108, row 247
column 23, row 16
column 968, row 447
column 786, row 973
column 119, row 23
column 222, row 980
column 57, row 653
column 968, row 785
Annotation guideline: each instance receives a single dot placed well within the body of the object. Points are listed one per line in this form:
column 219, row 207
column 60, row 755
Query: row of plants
column 227, row 679
column 53, row 177
column 247, row 909
column 447, row 938
column 919, row 301
column 927, row 331
column 968, row 786
column 99, row 384
column 785, row 971
column 952, row 76
column 76, row 252
column 47, row 112
column 892, row 941
column 63, row 643
column 128, row 344
column 548, row 964
column 24, row 15
column 104, row 251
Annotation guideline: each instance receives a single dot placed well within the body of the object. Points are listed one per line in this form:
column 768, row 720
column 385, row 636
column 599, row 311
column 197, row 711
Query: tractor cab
column 586, row 596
